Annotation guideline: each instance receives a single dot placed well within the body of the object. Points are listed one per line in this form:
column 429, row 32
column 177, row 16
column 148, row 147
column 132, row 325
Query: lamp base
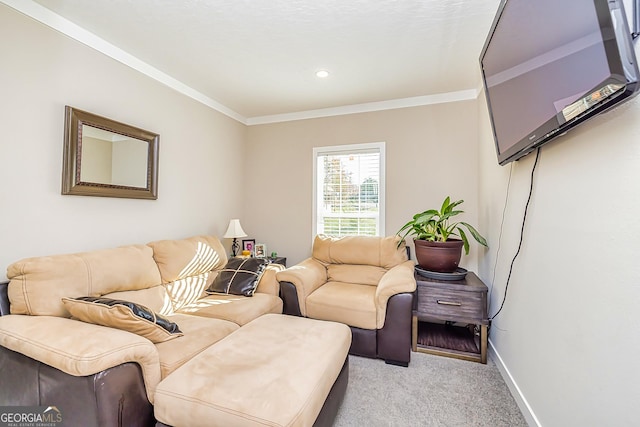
column 234, row 247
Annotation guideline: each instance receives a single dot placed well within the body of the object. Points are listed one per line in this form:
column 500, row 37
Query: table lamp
column 233, row 232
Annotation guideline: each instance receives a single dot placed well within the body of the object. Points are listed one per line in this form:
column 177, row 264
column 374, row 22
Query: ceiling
column 258, row 59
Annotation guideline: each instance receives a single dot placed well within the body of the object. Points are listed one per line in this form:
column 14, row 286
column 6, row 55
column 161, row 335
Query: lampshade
column 234, row 230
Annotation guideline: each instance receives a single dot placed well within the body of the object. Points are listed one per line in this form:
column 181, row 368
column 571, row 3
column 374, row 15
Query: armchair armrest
column 306, row 276
column 399, row 279
column 79, row 348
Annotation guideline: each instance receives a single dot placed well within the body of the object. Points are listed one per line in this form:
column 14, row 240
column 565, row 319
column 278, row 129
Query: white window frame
column 346, row 149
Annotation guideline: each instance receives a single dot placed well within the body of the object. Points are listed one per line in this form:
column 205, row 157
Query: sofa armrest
column 79, row 348
column 109, row 398
column 399, row 279
column 307, row 276
column 268, row 283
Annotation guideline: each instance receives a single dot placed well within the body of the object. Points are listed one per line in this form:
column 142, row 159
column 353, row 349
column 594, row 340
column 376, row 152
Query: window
column 349, row 190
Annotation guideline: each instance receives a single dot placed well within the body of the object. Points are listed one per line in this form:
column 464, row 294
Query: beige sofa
column 101, row 375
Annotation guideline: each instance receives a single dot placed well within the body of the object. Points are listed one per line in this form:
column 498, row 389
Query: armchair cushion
column 348, row 303
column 125, row 315
column 350, row 273
column 239, row 277
column 359, row 250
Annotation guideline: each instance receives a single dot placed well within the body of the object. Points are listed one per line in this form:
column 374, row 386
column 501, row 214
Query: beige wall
column 431, row 152
column 569, row 332
column 567, row 338
column 201, row 151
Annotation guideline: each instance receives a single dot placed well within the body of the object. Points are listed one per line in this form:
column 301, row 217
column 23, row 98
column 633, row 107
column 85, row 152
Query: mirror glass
column 108, row 158
column 111, row 158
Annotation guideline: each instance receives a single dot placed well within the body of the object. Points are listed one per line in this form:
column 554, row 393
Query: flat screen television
column 548, row 65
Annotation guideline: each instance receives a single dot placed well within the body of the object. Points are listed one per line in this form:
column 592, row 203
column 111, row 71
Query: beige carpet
column 432, row 391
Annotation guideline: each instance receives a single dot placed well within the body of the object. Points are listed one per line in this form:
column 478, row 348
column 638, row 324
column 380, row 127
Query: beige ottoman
column 276, row 370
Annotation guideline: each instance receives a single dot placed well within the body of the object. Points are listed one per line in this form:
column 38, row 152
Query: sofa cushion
column 187, row 267
column 38, row 284
column 234, row 308
column 154, row 298
column 199, row 334
column 363, row 250
column 178, row 259
column 347, row 303
column 187, row 290
column 239, row 277
column 124, row 315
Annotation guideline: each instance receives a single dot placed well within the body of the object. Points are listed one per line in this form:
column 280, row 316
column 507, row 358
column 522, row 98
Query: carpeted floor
column 432, row 391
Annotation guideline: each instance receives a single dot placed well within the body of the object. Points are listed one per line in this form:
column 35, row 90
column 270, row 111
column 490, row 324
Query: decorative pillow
column 239, row 277
column 124, row 315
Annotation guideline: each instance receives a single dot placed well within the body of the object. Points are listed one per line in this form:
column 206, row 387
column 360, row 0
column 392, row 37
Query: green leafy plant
column 437, row 226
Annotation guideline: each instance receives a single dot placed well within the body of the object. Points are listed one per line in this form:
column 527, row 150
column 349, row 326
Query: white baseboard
column 526, row 410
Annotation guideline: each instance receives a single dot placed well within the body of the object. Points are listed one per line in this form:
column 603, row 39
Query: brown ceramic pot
column 442, row 257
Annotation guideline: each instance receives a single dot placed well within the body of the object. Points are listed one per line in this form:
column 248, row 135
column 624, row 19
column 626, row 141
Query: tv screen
column 548, row 65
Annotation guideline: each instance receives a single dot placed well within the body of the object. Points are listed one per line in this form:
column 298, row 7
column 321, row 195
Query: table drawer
column 451, row 304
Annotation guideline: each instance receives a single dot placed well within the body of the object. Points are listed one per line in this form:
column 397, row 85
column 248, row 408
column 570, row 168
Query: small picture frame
column 260, row 250
column 249, row 245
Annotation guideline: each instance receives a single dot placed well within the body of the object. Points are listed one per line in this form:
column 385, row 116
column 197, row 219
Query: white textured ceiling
column 258, row 58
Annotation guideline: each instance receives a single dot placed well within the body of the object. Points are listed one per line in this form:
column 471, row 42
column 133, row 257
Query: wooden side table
column 446, row 316
column 278, row 260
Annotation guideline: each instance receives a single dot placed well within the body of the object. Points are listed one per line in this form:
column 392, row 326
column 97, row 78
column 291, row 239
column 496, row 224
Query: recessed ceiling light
column 322, row 74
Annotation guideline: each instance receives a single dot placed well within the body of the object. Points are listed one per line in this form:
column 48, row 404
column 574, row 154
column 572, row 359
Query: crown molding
column 416, row 101
column 74, row 31
column 68, row 28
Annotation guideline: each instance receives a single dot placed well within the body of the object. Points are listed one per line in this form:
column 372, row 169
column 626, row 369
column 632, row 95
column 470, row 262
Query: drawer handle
column 442, row 302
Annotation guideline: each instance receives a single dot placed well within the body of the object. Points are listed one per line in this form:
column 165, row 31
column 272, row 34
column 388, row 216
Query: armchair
column 364, row 282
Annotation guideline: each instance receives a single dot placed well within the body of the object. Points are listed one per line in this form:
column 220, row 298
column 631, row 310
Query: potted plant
column 437, row 248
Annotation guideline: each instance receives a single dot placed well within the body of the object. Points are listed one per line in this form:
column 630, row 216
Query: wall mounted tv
column 548, row 65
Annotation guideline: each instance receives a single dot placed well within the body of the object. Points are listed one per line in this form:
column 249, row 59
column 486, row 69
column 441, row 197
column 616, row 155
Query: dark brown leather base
column 289, row 296
column 391, row 343
column 4, row 298
column 331, row 405
column 336, row 395
column 394, row 339
column 364, row 342
column 114, row 397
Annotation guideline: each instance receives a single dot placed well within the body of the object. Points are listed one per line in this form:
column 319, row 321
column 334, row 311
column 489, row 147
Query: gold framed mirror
column 106, row 158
